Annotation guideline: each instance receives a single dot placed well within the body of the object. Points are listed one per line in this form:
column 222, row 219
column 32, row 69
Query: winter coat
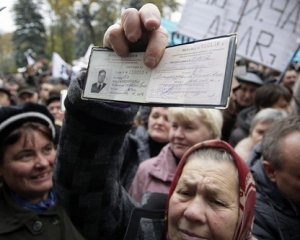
column 230, row 118
column 243, row 125
column 275, row 216
column 18, row 223
column 136, row 149
column 154, row 175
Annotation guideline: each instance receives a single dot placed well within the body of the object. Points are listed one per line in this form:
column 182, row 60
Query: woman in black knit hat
column 28, row 206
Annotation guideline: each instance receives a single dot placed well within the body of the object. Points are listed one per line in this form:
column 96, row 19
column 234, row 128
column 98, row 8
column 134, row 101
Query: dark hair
column 101, row 71
column 271, row 75
column 268, row 94
column 291, row 68
column 25, row 130
column 271, row 145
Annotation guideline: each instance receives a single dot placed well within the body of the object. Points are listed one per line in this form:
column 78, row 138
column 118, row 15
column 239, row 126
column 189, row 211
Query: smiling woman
column 28, row 207
column 188, row 127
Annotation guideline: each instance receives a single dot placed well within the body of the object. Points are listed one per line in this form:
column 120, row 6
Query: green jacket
column 17, row 223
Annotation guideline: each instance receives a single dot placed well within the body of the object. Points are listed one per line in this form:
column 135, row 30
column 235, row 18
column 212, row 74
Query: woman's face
column 27, row 166
column 185, row 134
column 158, row 124
column 204, row 204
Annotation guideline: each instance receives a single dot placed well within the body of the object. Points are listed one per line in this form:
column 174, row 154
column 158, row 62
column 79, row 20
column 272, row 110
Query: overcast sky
column 6, row 20
column 7, row 23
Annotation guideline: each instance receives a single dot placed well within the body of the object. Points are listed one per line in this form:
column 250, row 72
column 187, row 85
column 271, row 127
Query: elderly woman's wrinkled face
column 205, row 202
column 27, row 166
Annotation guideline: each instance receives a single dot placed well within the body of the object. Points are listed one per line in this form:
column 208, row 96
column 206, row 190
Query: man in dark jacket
column 243, row 97
column 100, row 84
column 275, row 167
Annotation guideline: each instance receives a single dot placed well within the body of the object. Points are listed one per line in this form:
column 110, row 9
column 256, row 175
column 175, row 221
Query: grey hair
column 271, row 144
column 216, row 154
column 268, row 115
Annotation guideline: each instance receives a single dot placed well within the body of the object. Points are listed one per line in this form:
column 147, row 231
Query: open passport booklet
column 196, row 74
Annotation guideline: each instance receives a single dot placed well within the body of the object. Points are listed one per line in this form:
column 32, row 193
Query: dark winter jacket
column 87, row 169
column 244, row 119
column 275, row 217
column 18, row 223
column 230, row 118
column 136, row 149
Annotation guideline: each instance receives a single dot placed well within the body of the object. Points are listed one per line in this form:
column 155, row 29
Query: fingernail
column 150, row 61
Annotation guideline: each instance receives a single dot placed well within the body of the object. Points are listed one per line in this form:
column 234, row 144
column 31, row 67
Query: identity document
column 195, row 74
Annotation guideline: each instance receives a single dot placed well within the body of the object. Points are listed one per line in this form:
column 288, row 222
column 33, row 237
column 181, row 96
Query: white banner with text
column 268, row 29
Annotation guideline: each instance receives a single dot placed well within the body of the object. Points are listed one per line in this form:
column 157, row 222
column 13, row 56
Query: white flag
column 59, row 69
column 30, row 60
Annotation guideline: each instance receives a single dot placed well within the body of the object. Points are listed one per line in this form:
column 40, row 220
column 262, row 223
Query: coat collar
column 13, row 216
column 164, row 165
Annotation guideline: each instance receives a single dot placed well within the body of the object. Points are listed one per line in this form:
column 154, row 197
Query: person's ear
column 269, row 170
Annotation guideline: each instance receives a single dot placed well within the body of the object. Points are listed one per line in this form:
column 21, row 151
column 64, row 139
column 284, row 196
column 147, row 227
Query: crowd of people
column 118, row 171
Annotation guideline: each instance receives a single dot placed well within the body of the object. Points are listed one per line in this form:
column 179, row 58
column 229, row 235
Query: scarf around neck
column 36, row 207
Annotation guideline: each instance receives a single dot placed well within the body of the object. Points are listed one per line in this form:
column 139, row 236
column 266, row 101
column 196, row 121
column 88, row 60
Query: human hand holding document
column 193, row 74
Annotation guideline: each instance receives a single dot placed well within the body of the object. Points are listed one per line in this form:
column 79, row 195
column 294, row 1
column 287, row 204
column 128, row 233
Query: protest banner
column 268, row 29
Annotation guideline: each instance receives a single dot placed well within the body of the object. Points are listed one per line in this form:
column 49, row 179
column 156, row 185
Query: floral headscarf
column 246, row 187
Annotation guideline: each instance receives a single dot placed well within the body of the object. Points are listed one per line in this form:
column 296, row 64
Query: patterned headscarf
column 246, row 187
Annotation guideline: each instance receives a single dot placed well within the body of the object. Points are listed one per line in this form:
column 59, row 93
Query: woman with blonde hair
column 189, row 126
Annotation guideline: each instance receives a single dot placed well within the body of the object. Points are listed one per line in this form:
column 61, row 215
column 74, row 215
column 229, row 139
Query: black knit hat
column 11, row 117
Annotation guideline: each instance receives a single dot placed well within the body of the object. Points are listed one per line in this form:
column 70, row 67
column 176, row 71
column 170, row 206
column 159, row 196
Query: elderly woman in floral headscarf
column 212, row 195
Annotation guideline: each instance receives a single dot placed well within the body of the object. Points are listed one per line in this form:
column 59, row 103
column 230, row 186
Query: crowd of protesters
column 138, row 172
